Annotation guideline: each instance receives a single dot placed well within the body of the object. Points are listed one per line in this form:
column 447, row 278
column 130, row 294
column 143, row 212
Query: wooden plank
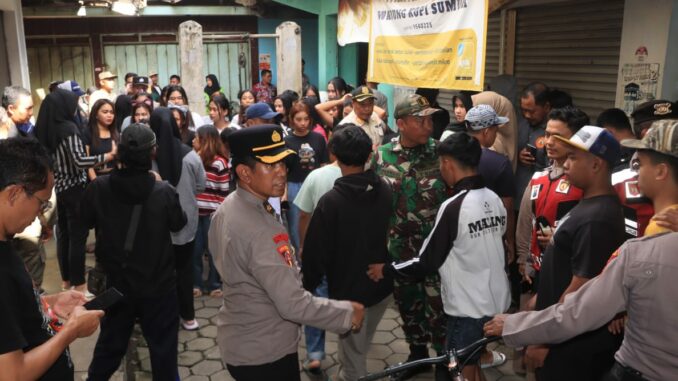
column 152, row 54
column 130, row 60
column 120, row 60
column 173, row 60
column 213, row 60
column 55, row 58
column 142, row 60
column 163, row 74
column 67, row 70
column 234, row 73
column 79, row 67
column 88, row 67
column 224, row 79
column 45, row 66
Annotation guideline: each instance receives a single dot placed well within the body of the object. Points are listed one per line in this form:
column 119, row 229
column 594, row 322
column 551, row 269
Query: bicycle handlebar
column 442, row 359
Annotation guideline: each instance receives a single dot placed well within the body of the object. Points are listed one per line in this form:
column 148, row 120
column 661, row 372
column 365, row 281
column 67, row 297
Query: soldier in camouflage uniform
column 409, row 164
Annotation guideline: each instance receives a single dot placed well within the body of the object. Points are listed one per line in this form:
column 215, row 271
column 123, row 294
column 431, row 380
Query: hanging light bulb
column 82, row 11
column 124, row 7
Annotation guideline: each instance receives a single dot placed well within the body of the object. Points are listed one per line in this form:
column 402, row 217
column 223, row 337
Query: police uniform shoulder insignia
column 534, row 192
column 284, row 249
column 563, row 186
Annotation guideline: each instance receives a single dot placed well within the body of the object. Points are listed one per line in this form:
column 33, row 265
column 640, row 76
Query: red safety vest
column 553, row 199
column 638, row 209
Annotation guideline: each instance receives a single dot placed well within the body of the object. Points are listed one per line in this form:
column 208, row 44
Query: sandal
column 216, row 293
column 498, row 359
column 313, row 370
column 190, row 325
column 197, row 292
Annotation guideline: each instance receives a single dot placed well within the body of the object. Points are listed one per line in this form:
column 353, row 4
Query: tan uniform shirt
column 264, row 301
column 374, row 127
column 640, row 280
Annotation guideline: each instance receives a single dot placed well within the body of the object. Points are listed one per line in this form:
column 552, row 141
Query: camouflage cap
column 662, row 137
column 414, row 105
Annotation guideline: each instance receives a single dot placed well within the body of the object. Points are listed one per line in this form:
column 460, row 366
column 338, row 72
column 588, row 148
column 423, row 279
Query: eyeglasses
column 44, row 204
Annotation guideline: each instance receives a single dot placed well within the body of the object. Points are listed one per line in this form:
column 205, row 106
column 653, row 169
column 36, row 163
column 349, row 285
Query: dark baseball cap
column 655, row 110
column 260, row 110
column 71, row 86
column 263, row 143
column 140, row 80
column 362, row 93
column 137, row 137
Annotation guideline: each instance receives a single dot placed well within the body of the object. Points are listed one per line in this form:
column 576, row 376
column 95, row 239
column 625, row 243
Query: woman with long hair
column 178, row 164
column 220, row 111
column 141, row 113
column 180, row 114
column 211, row 150
column 337, row 87
column 283, row 104
column 100, row 135
column 176, row 95
column 56, row 130
column 138, row 100
column 245, row 97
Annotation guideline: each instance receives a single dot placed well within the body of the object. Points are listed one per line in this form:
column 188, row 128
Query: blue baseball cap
column 260, row 110
column 71, row 86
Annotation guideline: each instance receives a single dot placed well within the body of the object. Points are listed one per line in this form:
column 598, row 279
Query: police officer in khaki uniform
column 640, row 280
column 264, row 301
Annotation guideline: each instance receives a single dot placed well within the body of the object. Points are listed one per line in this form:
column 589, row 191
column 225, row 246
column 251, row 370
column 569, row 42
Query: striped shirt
column 216, row 186
column 71, row 163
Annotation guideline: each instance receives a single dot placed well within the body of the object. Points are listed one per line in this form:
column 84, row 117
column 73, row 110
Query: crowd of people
column 311, row 210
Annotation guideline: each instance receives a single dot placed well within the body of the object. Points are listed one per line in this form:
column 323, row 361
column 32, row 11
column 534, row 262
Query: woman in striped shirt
column 57, row 131
column 214, row 157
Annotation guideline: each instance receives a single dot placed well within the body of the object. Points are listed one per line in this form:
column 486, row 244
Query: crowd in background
column 508, row 203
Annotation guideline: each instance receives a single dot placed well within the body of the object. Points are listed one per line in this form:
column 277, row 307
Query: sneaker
column 190, row 325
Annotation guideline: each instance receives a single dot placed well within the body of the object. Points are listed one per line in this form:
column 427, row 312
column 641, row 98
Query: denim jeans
column 464, row 331
column 293, row 214
column 315, row 337
column 213, row 280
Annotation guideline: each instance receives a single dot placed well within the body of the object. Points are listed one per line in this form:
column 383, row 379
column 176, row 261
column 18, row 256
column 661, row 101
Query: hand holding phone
column 104, row 301
column 532, row 150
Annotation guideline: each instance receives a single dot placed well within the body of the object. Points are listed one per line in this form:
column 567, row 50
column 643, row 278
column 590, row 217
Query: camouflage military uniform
column 418, row 192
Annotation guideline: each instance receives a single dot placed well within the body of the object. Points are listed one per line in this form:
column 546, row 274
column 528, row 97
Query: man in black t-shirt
column 33, row 344
column 578, row 251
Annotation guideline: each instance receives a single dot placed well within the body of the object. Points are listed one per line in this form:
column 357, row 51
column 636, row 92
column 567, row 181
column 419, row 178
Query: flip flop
column 315, row 370
column 498, row 359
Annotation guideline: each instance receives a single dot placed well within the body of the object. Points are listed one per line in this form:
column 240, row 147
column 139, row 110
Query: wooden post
column 288, row 55
column 192, row 75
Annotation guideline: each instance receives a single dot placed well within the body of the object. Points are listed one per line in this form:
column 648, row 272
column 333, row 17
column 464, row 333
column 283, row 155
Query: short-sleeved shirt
column 374, row 127
column 23, row 321
column 581, row 245
column 264, row 93
column 104, row 146
column 311, row 154
column 317, row 183
column 497, row 173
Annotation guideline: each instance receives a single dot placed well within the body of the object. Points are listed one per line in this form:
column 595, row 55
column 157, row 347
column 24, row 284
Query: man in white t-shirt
column 106, row 88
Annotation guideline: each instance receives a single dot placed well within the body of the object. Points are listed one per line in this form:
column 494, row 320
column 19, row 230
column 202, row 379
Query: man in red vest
column 549, row 195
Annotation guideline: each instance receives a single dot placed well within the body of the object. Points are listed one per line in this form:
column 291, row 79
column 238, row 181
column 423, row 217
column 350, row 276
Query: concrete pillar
column 192, row 75
column 288, row 56
column 15, row 42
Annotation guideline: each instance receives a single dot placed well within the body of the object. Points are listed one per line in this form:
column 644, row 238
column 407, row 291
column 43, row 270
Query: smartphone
column 544, row 226
column 104, row 301
column 533, row 150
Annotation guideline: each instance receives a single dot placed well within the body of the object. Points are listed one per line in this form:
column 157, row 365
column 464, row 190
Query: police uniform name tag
column 534, row 192
column 563, row 186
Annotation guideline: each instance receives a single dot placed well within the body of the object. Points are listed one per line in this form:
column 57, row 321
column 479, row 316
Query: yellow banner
column 439, row 44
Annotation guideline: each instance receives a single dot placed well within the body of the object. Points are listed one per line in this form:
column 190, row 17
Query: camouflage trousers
column 421, row 309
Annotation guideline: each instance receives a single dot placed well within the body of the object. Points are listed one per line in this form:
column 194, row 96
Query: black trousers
column 159, row 319
column 71, row 236
column 586, row 357
column 620, row 372
column 183, row 255
column 285, row 369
